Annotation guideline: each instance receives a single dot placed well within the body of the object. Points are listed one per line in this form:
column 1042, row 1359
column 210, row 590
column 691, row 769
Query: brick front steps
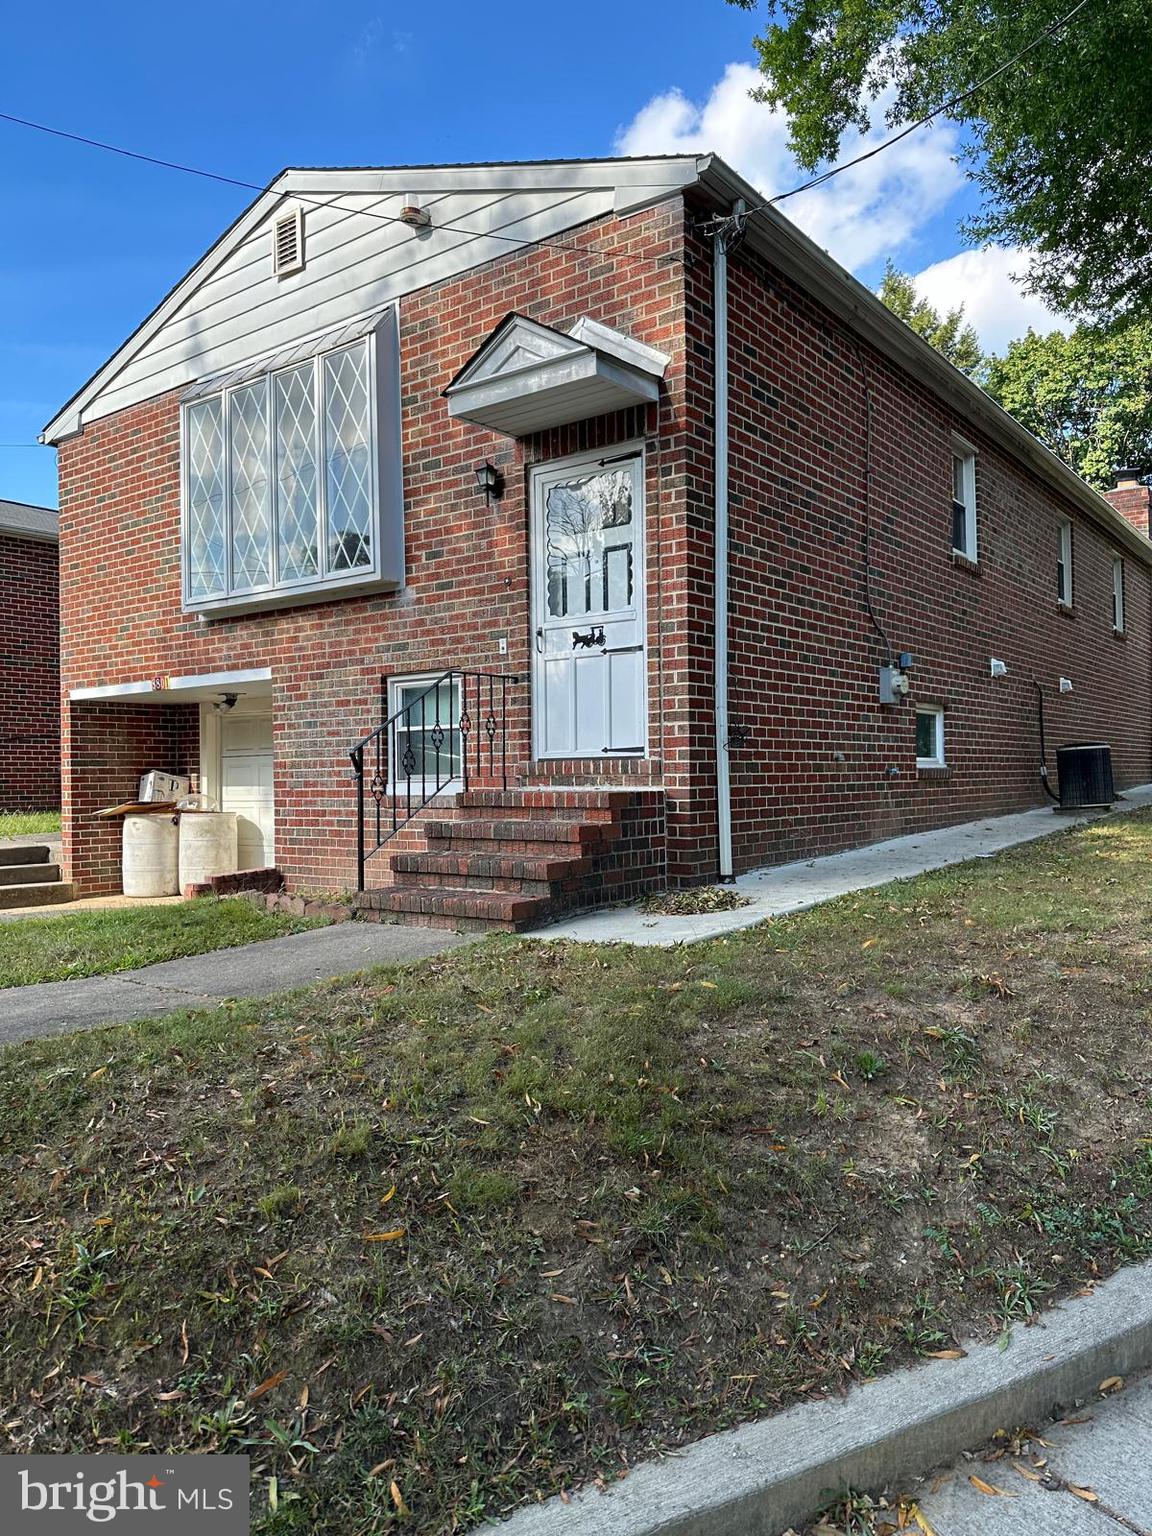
column 28, row 878
column 513, row 859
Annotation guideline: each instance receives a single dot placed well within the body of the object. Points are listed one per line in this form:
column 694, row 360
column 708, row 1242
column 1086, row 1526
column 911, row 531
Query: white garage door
column 246, row 786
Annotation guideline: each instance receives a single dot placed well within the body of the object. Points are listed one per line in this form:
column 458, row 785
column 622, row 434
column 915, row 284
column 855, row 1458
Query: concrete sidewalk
column 1105, row 1450
column 250, row 970
column 772, row 1476
column 788, row 888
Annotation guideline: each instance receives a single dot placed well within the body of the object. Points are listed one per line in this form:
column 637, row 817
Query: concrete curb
column 765, row 1477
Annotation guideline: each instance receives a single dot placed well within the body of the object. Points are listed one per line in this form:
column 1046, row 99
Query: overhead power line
column 252, row 186
column 946, row 106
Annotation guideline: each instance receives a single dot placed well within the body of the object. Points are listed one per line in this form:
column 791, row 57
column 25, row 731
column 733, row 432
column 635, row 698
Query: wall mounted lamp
column 490, row 481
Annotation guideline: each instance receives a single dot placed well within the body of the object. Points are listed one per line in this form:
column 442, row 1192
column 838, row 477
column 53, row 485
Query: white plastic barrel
column 207, row 845
column 150, row 856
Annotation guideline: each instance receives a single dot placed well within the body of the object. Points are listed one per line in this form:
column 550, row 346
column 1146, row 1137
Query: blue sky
column 90, row 242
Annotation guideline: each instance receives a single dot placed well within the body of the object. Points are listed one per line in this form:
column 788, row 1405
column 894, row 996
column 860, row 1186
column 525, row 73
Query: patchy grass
column 693, row 901
column 29, row 824
column 435, row 1241
column 120, row 939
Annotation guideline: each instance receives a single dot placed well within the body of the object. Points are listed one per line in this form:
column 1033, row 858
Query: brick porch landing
column 513, row 859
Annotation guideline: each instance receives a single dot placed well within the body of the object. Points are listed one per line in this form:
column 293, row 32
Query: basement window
column 291, row 479
column 424, row 749
column 964, row 500
column 1064, row 565
column 930, row 736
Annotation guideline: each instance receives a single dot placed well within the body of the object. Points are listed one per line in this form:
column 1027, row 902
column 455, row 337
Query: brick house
column 29, row 659
column 421, row 465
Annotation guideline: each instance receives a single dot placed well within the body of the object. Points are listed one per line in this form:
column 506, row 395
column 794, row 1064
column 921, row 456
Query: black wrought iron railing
column 444, row 736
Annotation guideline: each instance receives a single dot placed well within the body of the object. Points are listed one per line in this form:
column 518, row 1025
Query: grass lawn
column 122, row 938
column 435, row 1241
column 29, row 824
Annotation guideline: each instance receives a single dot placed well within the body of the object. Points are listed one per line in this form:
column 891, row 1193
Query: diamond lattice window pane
column 207, row 547
column 348, row 459
column 251, row 512
column 295, row 410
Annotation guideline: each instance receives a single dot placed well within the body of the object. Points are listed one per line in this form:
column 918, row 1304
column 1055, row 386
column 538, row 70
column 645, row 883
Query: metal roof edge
column 778, row 239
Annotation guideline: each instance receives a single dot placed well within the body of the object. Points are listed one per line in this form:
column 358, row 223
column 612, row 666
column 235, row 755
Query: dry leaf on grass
column 267, row 1385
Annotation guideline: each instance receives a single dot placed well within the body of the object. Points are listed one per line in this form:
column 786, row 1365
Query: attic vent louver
column 288, row 243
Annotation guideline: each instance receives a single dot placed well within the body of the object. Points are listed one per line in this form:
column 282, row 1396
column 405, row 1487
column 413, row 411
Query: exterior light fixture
column 490, row 481
column 225, row 703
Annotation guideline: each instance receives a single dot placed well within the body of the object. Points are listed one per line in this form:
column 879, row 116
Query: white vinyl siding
column 282, row 490
column 964, row 500
column 359, row 258
column 1118, row 594
column 1064, row 565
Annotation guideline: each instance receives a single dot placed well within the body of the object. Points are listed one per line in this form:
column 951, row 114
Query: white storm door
column 246, row 786
column 590, row 692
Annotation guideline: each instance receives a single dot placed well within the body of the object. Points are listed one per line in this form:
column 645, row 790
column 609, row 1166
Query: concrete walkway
column 794, row 887
column 250, row 970
column 1105, row 1450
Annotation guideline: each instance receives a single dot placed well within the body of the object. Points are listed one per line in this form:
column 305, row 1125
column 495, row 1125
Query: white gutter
column 720, row 542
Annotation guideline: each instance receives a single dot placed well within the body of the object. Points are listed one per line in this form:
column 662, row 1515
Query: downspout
column 724, row 233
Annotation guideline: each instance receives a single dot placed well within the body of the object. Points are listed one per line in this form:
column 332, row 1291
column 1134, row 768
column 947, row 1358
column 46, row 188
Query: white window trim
column 1119, row 618
column 398, row 785
column 1065, row 597
column 938, row 759
column 386, row 523
column 961, row 449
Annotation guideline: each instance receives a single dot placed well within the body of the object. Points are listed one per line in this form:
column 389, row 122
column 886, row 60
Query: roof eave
column 812, row 269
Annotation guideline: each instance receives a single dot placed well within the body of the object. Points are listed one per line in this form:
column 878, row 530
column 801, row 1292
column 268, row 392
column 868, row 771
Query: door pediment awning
column 528, row 377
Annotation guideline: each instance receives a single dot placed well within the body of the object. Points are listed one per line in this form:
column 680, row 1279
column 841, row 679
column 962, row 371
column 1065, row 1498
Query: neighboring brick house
column 29, row 659
column 398, row 424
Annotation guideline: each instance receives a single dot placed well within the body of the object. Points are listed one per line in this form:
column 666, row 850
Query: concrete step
column 24, row 853
column 28, row 874
column 48, row 894
column 507, row 910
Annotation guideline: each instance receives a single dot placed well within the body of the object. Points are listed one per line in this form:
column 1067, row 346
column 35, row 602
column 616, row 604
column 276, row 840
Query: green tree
column 947, row 333
column 1086, row 395
column 1060, row 143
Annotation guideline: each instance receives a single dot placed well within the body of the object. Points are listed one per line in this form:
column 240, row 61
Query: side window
column 1064, row 565
column 963, row 500
column 1118, row 595
column 930, row 736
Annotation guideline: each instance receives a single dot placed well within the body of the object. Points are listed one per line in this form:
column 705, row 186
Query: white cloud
column 989, row 285
column 865, row 213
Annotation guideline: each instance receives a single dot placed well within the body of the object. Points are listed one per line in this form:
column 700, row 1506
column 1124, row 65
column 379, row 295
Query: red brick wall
column 467, row 563
column 825, row 766
column 29, row 676
column 111, row 744
column 1133, row 503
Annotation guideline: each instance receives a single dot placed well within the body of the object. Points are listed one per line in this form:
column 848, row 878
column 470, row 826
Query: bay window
column 292, row 480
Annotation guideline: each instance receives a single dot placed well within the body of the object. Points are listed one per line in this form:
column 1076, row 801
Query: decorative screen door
column 590, row 673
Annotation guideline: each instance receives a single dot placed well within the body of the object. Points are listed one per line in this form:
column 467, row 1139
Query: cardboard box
column 155, row 785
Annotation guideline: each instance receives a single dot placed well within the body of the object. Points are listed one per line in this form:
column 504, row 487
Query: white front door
column 590, row 692
column 246, row 786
